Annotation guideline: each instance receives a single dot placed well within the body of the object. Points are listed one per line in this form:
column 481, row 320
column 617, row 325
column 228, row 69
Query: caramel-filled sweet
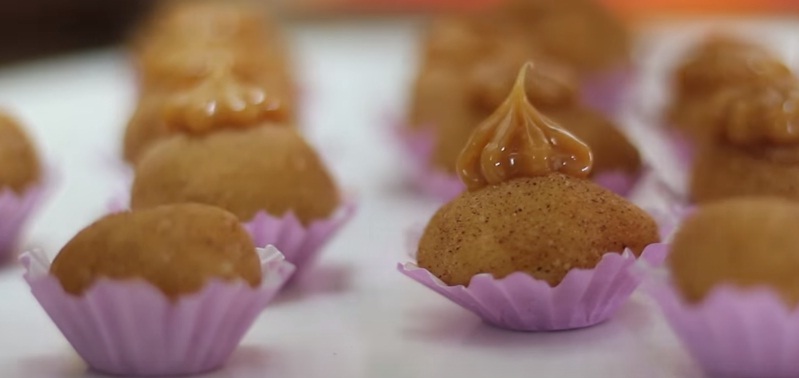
column 269, row 168
column 754, row 149
column 720, row 62
column 223, row 101
column 518, row 141
column 760, row 114
column 176, row 248
column 544, row 226
column 19, row 162
column 748, row 243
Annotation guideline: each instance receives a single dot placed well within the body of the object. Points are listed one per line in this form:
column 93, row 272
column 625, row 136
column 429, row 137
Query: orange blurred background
column 630, row 8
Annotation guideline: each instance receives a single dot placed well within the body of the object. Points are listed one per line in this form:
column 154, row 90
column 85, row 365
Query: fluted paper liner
column 300, row 244
column 520, row 302
column 734, row 332
column 418, row 145
column 129, row 327
column 15, row 210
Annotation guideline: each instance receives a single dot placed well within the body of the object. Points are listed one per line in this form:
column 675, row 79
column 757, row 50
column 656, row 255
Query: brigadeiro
column 169, row 290
column 733, row 287
column 532, row 236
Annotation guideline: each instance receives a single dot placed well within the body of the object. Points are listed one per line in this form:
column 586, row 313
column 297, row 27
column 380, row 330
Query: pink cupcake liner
column 418, row 145
column 131, row 328
column 15, row 210
column 607, row 91
column 520, row 302
column 300, row 244
column 735, row 332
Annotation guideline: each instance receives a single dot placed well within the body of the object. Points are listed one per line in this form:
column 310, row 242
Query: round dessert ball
column 745, row 242
column 720, row 62
column 543, row 226
column 19, row 163
column 723, row 170
column 145, row 126
column 270, row 168
column 177, row 248
column 612, row 150
column 751, row 146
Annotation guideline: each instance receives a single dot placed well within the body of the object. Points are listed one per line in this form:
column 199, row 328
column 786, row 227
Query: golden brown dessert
column 270, row 168
column 177, row 248
column 528, row 208
column 205, row 66
column 745, row 242
column 582, row 33
column 222, row 101
column 718, row 63
column 219, row 102
column 182, row 34
column 145, row 127
column 453, row 107
column 754, row 145
column 19, row 163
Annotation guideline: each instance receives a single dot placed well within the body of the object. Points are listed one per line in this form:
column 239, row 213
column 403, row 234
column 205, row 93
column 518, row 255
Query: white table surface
column 354, row 315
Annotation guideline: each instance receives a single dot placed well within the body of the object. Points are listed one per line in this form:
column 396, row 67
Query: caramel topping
column 763, row 114
column 222, row 101
column 518, row 141
column 722, row 61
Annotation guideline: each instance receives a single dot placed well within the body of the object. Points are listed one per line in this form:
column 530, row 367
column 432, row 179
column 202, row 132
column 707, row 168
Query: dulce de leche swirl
column 221, row 101
column 518, row 141
column 760, row 114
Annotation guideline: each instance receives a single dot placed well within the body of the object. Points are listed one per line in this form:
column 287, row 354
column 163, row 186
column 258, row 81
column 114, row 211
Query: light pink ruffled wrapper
column 15, row 210
column 300, row 244
column 520, row 302
column 735, row 332
column 607, row 91
column 131, row 328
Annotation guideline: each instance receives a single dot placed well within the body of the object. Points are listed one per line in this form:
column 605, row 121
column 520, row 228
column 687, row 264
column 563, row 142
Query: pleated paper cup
column 734, row 332
column 300, row 244
column 519, row 302
column 15, row 211
column 129, row 327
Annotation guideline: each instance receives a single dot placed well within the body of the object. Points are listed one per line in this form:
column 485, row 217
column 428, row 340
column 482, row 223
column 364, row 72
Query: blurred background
column 37, row 28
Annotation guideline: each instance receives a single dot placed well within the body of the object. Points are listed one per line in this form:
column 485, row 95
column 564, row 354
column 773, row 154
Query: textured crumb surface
column 270, row 168
column 177, row 248
column 746, row 242
column 724, row 171
column 19, row 163
column 543, row 226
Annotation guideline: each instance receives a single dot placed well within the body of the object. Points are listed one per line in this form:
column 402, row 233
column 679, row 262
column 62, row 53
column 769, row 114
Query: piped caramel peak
column 518, row 141
column 222, row 101
column 760, row 114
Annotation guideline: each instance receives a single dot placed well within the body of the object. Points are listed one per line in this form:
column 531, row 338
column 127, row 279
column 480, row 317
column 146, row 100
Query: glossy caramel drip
column 222, row 100
column 764, row 114
column 518, row 141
